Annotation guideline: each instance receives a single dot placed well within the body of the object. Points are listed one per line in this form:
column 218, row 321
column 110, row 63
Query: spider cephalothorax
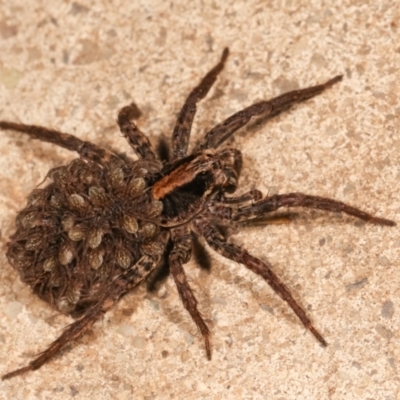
column 104, row 222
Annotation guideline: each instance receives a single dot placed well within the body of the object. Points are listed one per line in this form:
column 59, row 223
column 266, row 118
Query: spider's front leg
column 181, row 134
column 180, row 254
column 274, row 202
column 225, row 129
column 235, row 253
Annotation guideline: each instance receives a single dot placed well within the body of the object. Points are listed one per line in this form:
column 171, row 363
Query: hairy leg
column 131, row 278
column 225, row 129
column 71, row 333
column 238, row 254
column 180, row 254
column 272, row 203
column 135, row 137
column 252, row 195
column 65, row 140
column 181, row 134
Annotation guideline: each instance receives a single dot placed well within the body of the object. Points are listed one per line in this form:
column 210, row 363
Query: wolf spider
column 104, row 222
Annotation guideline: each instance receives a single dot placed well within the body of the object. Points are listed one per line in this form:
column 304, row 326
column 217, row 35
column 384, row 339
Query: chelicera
column 104, row 222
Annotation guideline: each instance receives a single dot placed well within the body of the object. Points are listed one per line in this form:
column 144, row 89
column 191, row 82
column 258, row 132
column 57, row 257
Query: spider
column 104, row 222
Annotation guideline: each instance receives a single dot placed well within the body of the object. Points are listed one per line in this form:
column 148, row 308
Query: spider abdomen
column 86, row 227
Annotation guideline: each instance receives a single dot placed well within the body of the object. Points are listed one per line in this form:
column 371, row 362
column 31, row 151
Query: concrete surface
column 71, row 66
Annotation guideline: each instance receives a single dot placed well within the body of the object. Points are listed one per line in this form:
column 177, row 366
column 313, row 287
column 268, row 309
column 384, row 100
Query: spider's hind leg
column 235, row 253
column 65, row 140
column 71, row 333
column 180, row 254
column 132, row 277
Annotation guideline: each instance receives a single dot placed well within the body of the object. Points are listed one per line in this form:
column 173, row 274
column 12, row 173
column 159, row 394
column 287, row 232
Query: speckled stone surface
column 71, row 66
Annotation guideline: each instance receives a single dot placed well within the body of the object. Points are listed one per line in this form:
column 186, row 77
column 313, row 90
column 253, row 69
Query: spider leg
column 135, row 137
column 252, row 195
column 72, row 332
column 225, row 129
column 180, row 254
column 274, row 202
column 217, row 242
column 181, row 134
column 65, row 140
column 132, row 277
column 219, row 209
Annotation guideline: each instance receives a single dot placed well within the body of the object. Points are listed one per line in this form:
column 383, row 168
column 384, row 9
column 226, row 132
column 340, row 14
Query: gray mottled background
column 71, row 66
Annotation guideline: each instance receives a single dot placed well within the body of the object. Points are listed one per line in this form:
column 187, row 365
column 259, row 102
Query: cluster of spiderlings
column 87, row 226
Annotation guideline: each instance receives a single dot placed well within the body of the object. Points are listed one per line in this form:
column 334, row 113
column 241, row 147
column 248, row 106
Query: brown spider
column 104, row 222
